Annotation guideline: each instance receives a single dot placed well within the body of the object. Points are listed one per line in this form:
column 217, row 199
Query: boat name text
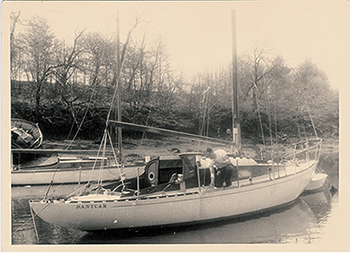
column 91, row 206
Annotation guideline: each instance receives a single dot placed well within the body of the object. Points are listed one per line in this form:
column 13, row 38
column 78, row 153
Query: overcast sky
column 198, row 35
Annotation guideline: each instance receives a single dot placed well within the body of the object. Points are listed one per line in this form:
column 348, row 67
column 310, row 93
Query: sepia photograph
column 174, row 125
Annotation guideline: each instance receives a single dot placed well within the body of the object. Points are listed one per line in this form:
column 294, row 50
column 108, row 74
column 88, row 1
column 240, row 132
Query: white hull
column 69, row 175
column 316, row 182
column 108, row 211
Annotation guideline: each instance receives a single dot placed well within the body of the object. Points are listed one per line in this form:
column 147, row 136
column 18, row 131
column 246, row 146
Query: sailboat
column 58, row 170
column 176, row 190
column 57, row 167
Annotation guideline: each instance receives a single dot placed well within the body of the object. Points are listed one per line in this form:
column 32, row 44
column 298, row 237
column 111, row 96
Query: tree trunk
column 37, row 116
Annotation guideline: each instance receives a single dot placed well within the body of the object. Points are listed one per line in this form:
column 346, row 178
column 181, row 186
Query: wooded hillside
column 65, row 85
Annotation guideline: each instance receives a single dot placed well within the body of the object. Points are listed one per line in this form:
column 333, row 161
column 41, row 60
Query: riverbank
column 165, row 145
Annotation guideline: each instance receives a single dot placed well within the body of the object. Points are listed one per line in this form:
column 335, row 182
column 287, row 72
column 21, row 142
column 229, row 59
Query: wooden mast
column 119, row 130
column 236, row 130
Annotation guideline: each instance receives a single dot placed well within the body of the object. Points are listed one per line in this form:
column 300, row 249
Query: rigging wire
column 99, row 180
column 115, row 158
column 33, row 216
column 143, row 136
column 95, row 162
column 82, row 121
column 35, row 229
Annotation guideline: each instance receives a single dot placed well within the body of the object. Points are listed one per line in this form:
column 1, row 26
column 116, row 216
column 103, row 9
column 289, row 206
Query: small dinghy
column 316, row 182
column 25, row 134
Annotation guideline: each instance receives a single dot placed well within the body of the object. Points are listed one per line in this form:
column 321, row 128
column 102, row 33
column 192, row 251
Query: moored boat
column 25, row 134
column 71, row 170
column 175, row 190
column 316, row 182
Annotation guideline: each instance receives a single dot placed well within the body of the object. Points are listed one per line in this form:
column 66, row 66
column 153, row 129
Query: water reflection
column 292, row 224
column 301, row 222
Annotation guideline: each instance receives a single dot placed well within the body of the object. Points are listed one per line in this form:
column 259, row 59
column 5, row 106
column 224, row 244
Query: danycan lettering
column 91, row 206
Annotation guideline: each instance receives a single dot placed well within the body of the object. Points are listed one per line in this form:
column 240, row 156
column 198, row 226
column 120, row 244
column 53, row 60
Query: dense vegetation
column 64, row 85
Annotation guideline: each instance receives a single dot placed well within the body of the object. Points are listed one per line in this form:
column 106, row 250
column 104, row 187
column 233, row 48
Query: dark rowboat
column 25, row 134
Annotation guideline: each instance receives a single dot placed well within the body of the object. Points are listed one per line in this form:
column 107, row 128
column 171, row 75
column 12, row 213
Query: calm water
column 308, row 220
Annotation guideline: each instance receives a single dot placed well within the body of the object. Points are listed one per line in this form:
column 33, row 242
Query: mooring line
column 33, row 217
column 36, row 231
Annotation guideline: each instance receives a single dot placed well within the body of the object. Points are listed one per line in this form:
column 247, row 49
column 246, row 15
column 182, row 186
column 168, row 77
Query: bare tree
column 39, row 49
column 14, row 46
column 259, row 65
column 313, row 96
column 67, row 63
column 67, row 60
column 98, row 60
